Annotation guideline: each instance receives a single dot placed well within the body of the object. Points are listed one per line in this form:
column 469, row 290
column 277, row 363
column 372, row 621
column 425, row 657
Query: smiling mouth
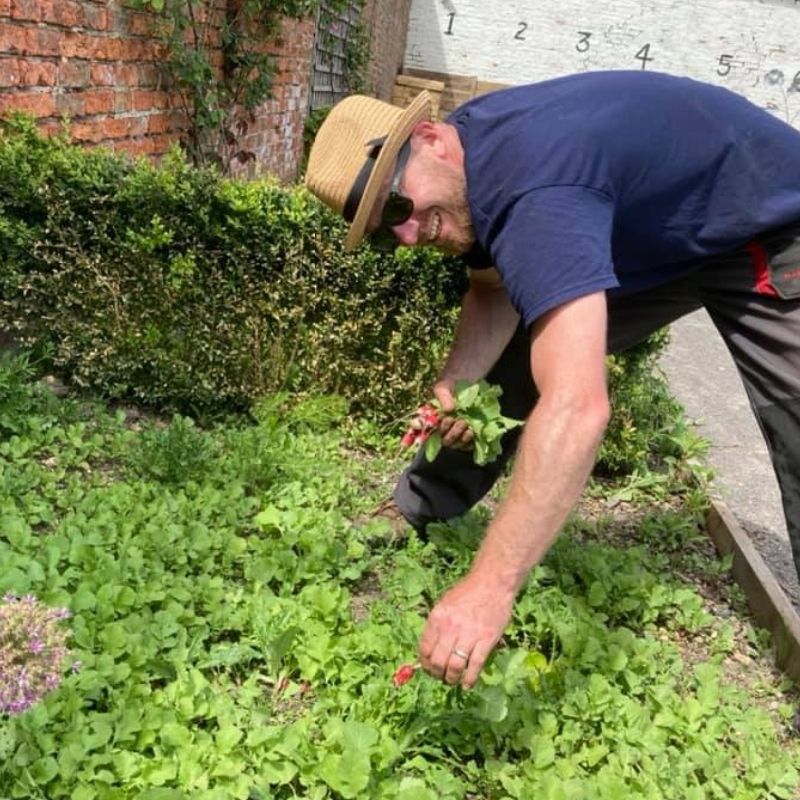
column 436, row 227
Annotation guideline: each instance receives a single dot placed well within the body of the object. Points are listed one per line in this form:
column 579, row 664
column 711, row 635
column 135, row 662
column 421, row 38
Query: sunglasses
column 396, row 210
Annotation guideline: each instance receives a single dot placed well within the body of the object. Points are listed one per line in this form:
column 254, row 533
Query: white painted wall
column 749, row 46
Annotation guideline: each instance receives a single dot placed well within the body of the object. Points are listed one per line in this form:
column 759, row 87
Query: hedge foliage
column 173, row 287
column 647, row 427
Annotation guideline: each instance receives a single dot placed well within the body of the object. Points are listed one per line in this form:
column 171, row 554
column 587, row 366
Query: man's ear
column 429, row 134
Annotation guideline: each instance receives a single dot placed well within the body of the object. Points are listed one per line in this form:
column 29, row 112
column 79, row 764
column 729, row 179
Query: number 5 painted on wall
column 724, row 64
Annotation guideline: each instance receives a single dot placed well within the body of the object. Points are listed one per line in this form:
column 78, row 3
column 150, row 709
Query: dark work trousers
column 759, row 323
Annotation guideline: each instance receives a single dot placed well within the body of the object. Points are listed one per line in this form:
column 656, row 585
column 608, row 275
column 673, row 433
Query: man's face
column 441, row 216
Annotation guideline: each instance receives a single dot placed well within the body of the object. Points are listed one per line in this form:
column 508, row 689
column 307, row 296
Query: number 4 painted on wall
column 644, row 55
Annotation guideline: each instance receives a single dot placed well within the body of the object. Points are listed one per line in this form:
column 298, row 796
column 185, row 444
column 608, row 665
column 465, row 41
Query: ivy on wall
column 217, row 62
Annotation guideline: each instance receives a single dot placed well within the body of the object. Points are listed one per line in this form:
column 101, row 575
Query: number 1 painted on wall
column 450, row 17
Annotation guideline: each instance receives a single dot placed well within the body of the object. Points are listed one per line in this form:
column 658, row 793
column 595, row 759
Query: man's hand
column 462, row 630
column 456, row 434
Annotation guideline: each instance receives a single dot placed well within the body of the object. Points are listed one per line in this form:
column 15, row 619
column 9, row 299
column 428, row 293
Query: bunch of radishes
column 427, row 419
column 477, row 404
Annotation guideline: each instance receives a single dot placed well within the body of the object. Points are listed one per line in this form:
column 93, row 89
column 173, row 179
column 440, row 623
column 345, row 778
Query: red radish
column 404, row 674
column 409, row 438
column 428, row 417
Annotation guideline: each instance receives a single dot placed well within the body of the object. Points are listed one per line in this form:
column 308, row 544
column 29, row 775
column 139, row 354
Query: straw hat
column 345, row 149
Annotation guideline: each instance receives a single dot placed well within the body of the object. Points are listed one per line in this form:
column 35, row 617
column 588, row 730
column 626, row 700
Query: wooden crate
column 457, row 89
column 407, row 87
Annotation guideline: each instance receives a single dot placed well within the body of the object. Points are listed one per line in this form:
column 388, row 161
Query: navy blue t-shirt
column 619, row 181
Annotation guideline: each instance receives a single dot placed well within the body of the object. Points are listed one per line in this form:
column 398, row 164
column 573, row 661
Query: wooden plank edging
column 768, row 603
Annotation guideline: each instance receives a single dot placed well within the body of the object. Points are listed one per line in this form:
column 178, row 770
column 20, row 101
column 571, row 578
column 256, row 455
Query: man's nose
column 407, row 233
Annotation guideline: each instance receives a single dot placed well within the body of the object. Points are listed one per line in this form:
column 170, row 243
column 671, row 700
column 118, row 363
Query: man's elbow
column 590, row 415
column 595, row 414
column 582, row 413
column 602, row 416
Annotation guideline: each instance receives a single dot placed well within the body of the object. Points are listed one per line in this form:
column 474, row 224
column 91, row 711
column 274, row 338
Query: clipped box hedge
column 174, row 287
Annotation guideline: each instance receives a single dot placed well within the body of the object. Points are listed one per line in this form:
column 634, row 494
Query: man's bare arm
column 554, row 459
column 485, row 327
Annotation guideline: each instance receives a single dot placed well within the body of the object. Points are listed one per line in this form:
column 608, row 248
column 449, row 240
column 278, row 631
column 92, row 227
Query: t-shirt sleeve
column 477, row 258
column 554, row 245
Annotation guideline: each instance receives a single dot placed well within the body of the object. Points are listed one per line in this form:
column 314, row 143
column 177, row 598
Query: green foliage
column 647, row 427
column 175, row 287
column 478, row 404
column 20, row 400
column 357, row 54
column 172, row 455
column 223, row 659
column 219, row 99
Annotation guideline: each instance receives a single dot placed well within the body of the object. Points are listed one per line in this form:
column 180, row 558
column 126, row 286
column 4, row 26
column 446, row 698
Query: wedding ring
column 460, row 653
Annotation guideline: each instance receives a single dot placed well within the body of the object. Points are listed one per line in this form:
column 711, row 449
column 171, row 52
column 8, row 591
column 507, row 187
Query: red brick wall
column 277, row 135
column 387, row 21
column 95, row 62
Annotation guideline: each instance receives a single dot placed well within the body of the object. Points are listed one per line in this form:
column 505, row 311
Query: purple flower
column 33, row 652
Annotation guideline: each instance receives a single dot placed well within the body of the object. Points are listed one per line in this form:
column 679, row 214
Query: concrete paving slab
column 703, row 378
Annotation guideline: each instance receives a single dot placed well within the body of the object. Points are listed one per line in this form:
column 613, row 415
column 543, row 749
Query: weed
column 172, row 455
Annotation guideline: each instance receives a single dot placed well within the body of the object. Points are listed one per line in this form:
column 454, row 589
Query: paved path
column 703, row 377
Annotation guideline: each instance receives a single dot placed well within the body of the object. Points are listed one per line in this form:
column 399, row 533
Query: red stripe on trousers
column 759, row 256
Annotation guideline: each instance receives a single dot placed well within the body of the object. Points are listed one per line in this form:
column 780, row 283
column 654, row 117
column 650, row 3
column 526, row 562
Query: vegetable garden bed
column 238, row 633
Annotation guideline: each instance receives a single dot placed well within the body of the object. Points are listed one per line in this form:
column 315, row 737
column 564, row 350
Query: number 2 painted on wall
column 523, row 26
